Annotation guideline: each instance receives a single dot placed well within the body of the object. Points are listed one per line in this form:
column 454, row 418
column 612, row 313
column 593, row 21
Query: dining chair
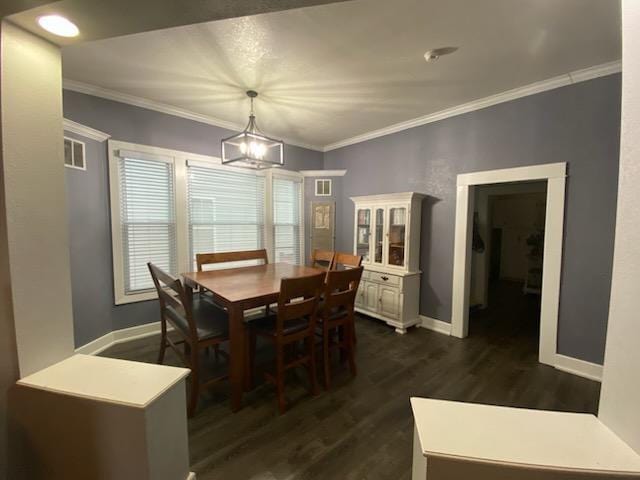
column 203, row 259
column 322, row 258
column 200, row 324
column 294, row 321
column 336, row 317
column 343, row 260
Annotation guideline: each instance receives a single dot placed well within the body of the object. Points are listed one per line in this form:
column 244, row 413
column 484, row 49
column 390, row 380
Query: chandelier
column 251, row 148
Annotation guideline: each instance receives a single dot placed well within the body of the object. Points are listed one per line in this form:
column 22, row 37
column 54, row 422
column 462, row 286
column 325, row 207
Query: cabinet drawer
column 384, row 278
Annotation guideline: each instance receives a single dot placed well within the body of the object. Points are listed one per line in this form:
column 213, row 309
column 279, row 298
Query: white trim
column 435, row 325
column 570, row 78
column 582, row 368
column 84, row 131
column 141, row 102
column 517, row 174
column 73, row 155
column 192, row 476
column 317, row 180
column 120, row 336
column 555, row 174
column 323, row 173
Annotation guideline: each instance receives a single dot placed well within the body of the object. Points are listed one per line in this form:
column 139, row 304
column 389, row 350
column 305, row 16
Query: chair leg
column 251, row 359
column 280, row 378
column 354, row 338
column 311, row 364
column 163, row 342
column 350, row 347
column 195, row 382
column 326, row 358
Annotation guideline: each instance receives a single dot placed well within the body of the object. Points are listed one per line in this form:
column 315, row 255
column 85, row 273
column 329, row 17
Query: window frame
column 318, row 180
column 84, row 154
column 270, row 238
column 180, row 161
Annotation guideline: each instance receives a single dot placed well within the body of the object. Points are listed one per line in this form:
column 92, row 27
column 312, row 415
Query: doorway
column 506, row 263
column 555, row 176
column 323, row 225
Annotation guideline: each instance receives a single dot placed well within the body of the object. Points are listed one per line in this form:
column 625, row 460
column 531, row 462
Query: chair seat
column 211, row 320
column 335, row 314
column 267, row 325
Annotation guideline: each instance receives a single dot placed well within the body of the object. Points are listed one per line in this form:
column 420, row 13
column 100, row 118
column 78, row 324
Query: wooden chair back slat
column 179, row 302
column 341, row 288
column 298, row 299
column 322, row 259
column 343, row 260
column 226, row 257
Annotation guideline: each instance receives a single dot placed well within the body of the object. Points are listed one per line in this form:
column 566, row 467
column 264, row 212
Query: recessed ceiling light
column 58, row 25
column 436, row 53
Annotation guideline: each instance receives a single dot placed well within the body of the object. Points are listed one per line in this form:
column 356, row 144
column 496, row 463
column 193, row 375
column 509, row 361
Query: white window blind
column 226, row 210
column 148, row 220
column 287, row 220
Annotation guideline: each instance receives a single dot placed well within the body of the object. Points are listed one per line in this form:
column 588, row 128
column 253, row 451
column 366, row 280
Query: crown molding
column 83, row 130
column 323, row 173
column 569, row 78
column 538, row 87
column 141, row 102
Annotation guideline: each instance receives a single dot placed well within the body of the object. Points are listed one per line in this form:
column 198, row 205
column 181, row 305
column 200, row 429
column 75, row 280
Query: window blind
column 148, row 220
column 226, row 211
column 287, row 218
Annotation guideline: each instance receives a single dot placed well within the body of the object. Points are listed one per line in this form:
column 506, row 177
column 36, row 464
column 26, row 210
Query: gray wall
column 88, row 197
column 578, row 124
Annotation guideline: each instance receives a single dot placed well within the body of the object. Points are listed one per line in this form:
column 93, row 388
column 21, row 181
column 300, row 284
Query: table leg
column 237, row 354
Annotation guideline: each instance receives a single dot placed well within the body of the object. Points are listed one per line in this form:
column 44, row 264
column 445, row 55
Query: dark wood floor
column 363, row 427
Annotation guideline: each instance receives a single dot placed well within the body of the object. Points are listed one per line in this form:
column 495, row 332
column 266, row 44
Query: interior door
column 323, row 225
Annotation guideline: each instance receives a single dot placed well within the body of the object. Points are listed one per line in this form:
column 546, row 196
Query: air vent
column 74, row 154
column 323, row 187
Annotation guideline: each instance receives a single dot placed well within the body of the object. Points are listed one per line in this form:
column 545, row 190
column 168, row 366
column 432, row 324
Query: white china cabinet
column 387, row 235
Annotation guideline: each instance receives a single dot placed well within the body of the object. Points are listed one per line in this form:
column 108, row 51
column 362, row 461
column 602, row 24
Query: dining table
column 238, row 290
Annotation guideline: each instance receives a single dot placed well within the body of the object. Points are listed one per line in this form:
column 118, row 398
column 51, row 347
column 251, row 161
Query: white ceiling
column 332, row 72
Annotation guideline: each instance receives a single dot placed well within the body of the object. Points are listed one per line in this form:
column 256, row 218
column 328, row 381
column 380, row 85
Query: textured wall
column 88, row 199
column 36, row 214
column 620, row 396
column 578, row 124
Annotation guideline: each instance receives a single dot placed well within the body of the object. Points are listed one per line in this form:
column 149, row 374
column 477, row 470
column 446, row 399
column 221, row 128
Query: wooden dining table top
column 248, row 283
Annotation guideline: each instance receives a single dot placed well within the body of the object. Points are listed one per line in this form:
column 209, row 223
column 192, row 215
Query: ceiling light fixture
column 251, row 148
column 436, row 53
column 58, row 25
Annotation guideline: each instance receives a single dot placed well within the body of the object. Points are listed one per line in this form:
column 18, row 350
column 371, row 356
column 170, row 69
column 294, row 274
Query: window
column 74, row 154
column 147, row 220
column 323, row 187
column 166, row 206
column 287, row 219
column 226, row 210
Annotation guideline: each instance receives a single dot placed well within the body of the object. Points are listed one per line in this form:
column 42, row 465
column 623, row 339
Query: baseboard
column 119, row 336
column 582, row 368
column 435, row 325
column 192, row 476
column 96, row 346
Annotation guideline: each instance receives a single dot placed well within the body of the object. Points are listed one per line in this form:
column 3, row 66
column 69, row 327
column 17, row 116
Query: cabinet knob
column 384, row 278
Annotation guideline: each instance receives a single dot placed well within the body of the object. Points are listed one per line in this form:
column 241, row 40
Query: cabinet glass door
column 363, row 233
column 397, row 230
column 379, row 236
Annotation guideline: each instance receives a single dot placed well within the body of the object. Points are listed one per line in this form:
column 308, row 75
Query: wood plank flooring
column 363, row 427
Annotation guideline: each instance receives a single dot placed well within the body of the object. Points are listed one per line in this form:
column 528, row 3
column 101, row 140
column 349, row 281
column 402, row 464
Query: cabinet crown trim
column 388, row 197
